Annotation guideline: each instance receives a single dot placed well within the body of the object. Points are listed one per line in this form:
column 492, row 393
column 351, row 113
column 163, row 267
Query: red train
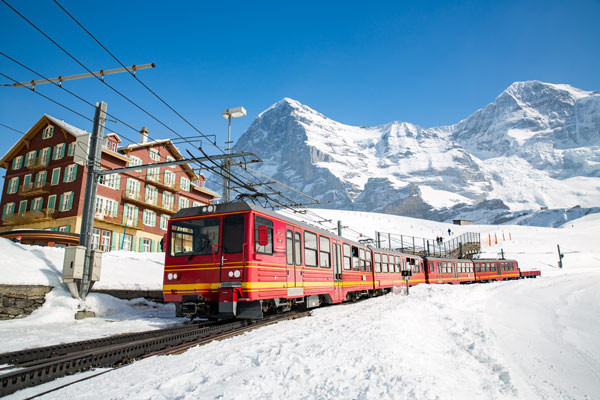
column 241, row 260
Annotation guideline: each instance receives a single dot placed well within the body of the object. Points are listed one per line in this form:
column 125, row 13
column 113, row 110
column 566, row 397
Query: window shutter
column 3, row 211
column 54, row 153
column 71, row 201
column 125, row 214
column 115, row 209
column 141, row 244
column 68, row 228
column 133, row 243
column 14, row 163
column 74, row 172
column 117, row 181
column 135, row 215
column 66, row 174
column 51, row 202
column 70, row 151
column 152, row 246
column 26, row 179
column 60, row 202
column 115, row 239
column 55, row 176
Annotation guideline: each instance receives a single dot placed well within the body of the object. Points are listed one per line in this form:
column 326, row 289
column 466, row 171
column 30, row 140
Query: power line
column 134, row 76
column 12, row 129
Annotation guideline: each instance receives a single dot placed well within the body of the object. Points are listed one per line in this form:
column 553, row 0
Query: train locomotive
column 240, row 260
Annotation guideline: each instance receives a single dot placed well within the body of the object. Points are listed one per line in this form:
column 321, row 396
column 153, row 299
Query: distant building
column 45, row 183
column 462, row 222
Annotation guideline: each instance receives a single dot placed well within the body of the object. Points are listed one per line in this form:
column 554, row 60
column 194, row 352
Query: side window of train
column 361, row 254
column 336, row 258
column 355, row 258
column 347, row 257
column 298, row 248
column 368, row 260
column 310, row 249
column 397, row 263
column 377, row 262
column 268, row 248
column 289, row 247
column 384, row 263
column 233, row 234
column 431, row 266
column 324, row 252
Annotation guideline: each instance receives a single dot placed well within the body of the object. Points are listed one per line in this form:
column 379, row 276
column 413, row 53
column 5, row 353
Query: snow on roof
column 67, row 127
column 148, row 143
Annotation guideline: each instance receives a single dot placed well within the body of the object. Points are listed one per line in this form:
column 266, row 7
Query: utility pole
column 89, row 202
column 229, row 114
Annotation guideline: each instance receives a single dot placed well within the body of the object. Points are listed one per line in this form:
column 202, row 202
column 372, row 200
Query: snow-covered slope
column 537, row 145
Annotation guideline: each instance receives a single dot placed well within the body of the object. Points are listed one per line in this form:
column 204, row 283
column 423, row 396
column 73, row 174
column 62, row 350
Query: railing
column 37, row 163
column 30, row 216
column 33, row 188
column 159, row 180
column 463, row 246
column 118, row 220
column 136, row 197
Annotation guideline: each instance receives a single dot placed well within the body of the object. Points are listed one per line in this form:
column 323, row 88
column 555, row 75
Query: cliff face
column 536, row 145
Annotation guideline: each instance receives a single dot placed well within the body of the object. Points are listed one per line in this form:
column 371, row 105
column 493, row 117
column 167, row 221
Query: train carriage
column 487, row 270
column 454, row 271
column 241, row 260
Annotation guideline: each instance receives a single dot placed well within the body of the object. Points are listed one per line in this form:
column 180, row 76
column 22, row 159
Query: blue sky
column 360, row 63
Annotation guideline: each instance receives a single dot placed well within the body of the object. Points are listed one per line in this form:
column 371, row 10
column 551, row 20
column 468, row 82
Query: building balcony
column 136, row 198
column 159, row 181
column 38, row 163
column 45, row 214
column 118, row 220
column 34, row 188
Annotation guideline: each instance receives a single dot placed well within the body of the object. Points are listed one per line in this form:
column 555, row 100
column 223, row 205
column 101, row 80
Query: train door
column 338, row 273
column 498, row 268
column 293, row 238
column 455, row 269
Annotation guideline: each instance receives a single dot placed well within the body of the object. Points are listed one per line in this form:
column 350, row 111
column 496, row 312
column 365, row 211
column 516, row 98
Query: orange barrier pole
column 490, row 239
column 495, row 239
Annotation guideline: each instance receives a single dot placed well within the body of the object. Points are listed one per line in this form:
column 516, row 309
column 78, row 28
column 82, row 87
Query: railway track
column 34, row 367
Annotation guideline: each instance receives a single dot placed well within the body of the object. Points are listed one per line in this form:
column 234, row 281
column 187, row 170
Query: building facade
column 46, row 176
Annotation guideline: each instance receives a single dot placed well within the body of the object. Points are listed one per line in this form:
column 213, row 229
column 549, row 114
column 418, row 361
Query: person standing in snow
column 17, row 239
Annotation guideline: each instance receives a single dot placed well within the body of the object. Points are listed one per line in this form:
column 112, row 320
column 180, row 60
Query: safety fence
column 463, row 246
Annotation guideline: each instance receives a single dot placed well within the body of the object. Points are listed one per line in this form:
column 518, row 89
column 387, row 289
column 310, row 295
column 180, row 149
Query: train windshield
column 194, row 237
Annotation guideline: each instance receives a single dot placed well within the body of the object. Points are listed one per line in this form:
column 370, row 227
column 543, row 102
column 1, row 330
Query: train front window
column 194, row 237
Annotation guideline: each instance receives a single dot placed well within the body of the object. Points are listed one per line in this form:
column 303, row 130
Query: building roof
column 24, row 141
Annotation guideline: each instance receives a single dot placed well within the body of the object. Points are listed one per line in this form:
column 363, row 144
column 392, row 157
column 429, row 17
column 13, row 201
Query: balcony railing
column 37, row 163
column 44, row 214
column 136, row 197
column 160, row 181
column 118, row 220
column 34, row 188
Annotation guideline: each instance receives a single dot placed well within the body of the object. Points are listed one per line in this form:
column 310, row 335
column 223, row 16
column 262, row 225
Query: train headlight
column 170, row 276
column 211, row 208
column 174, row 276
column 231, row 274
column 203, row 209
column 237, row 273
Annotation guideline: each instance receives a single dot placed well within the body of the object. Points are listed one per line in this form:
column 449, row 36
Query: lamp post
column 229, row 114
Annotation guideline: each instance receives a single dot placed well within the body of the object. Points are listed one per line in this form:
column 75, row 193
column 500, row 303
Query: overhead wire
column 13, row 129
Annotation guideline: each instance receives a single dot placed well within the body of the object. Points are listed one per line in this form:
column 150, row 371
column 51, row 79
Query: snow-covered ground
column 529, row 339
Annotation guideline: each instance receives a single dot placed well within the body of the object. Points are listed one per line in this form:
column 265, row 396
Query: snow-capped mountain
column 537, row 145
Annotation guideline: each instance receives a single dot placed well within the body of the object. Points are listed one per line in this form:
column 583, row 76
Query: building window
column 95, row 238
column 167, row 200
column 184, row 183
column 66, row 201
column 70, row 173
column 17, row 162
column 154, row 155
column 134, row 162
column 196, row 204
column 48, row 132
column 130, row 214
column 153, row 174
column 112, row 181
column 9, row 209
column 66, row 228
column 13, row 185
column 113, row 146
column 37, row 203
column 164, row 221
column 169, row 178
column 149, row 218
column 59, row 151
column 170, row 159
column 22, row 207
column 106, row 207
column 30, row 158
column 146, row 245
column 133, row 189
column 45, row 156
column 52, row 202
column 151, row 195
column 126, row 244
column 106, row 237
column 183, row 202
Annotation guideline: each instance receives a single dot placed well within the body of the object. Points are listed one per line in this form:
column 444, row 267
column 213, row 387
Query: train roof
column 244, row 206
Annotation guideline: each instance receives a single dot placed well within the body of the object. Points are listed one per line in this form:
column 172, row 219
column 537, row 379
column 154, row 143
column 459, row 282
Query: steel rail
column 121, row 353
